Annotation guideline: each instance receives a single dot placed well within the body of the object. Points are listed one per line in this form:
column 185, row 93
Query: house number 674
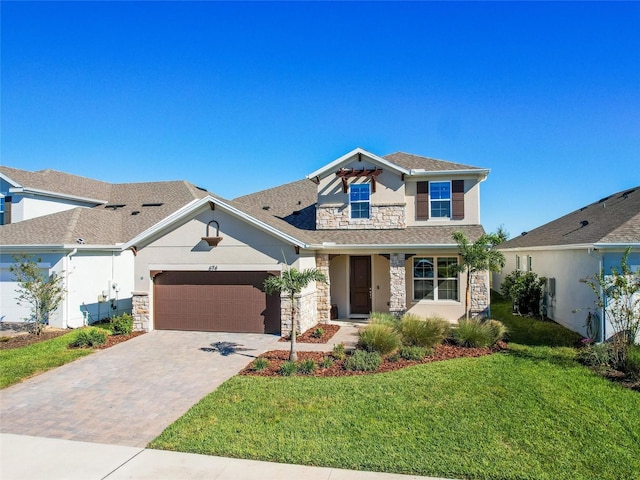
column 213, row 268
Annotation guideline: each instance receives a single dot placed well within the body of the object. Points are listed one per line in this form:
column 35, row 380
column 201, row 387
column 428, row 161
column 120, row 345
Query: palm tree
column 476, row 257
column 293, row 281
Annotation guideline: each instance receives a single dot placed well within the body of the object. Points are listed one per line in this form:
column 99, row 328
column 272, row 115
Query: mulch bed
column 442, row 352
column 329, row 330
column 24, row 340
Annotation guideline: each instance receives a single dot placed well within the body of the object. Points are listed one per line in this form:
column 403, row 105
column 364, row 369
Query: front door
column 360, row 285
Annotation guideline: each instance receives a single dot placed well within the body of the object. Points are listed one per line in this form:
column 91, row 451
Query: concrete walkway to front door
column 128, row 394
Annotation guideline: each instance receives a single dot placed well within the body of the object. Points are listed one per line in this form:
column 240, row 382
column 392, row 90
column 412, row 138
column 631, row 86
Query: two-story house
column 380, row 228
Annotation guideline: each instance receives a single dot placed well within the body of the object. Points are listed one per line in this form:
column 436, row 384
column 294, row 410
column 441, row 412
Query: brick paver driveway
column 128, row 394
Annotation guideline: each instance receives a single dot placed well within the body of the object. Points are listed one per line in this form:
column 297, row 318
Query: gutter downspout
column 65, row 323
column 603, row 323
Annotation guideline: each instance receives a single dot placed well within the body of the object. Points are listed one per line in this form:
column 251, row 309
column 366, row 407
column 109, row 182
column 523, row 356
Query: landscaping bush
column 413, row 353
column 384, row 318
column 306, row 367
column 525, row 290
column 339, row 352
column 122, row 325
column 422, row 333
column 476, row 333
column 597, row 355
column 363, row 361
column 90, row 337
column 632, row 362
column 288, row 368
column 379, row 338
column 327, row 362
column 317, row 333
column 260, row 364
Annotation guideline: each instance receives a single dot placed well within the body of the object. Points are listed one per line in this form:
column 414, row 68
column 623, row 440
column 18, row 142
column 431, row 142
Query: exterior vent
column 584, row 223
column 135, row 212
column 266, row 207
column 115, row 206
column 524, row 233
column 156, row 204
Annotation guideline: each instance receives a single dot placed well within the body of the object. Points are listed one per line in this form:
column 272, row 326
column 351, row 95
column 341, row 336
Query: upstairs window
column 440, row 199
column 360, row 198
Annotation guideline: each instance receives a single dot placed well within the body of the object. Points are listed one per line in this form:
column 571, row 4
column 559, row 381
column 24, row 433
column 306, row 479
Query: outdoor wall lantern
column 212, row 241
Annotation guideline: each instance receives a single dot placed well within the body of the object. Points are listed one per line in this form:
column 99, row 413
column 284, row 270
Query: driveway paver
column 128, row 394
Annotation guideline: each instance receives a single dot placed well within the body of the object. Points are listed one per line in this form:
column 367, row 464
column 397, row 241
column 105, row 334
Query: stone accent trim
column 398, row 287
column 140, row 311
column 306, row 312
column 480, row 294
column 323, row 289
column 338, row 217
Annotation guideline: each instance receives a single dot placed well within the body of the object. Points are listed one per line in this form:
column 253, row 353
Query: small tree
column 41, row 292
column 292, row 282
column 618, row 297
column 525, row 290
column 476, row 257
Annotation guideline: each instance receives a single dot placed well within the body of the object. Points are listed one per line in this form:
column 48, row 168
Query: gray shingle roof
column 410, row 161
column 613, row 219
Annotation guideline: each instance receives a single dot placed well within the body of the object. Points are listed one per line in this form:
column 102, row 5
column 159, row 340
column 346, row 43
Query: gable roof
column 57, row 183
column 611, row 220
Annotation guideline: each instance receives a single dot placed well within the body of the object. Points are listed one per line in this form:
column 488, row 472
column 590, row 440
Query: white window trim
column 431, row 200
column 368, row 185
column 435, row 279
column 518, row 264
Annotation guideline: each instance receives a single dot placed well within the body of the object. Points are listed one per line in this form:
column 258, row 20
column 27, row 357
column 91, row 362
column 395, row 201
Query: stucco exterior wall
column 339, row 271
column 380, row 285
column 26, row 207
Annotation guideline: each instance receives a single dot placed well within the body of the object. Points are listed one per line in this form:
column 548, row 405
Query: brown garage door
column 215, row 302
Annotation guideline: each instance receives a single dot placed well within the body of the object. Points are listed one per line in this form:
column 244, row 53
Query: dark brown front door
column 215, row 302
column 360, row 285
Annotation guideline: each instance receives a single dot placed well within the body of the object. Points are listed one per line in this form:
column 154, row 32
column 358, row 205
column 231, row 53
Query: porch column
column 398, row 287
column 323, row 290
column 480, row 294
column 140, row 311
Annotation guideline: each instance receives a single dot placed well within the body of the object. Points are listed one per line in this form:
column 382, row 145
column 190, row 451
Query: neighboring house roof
column 611, row 220
column 61, row 183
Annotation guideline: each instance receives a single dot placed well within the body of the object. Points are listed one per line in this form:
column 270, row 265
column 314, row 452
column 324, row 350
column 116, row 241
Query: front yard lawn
column 529, row 413
column 19, row 363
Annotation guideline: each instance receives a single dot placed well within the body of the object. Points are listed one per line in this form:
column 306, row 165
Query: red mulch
column 329, row 330
column 24, row 340
column 441, row 352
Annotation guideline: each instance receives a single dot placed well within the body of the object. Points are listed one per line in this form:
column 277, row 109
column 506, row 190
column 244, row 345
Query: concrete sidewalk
column 26, row 458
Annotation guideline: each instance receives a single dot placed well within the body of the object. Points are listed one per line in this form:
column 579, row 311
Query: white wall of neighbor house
column 573, row 299
column 25, row 207
column 99, row 286
column 471, row 202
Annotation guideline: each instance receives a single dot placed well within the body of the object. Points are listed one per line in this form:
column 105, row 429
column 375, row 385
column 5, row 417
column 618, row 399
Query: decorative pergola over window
column 345, row 173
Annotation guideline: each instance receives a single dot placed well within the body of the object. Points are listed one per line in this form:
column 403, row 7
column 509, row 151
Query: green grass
column 18, row 364
column 530, row 331
column 530, row 413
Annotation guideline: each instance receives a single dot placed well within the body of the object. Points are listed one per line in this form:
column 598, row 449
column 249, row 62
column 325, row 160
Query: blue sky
column 239, row 97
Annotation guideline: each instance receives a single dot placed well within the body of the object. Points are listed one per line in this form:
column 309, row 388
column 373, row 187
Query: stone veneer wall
column 338, row 217
column 323, row 289
column 398, row 287
column 480, row 295
column 140, row 311
column 306, row 312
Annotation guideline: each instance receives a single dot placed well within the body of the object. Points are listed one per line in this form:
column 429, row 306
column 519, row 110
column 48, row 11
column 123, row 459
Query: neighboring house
column 578, row 245
column 380, row 228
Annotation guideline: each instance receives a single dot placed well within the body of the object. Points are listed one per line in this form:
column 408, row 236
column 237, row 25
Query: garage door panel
column 215, row 301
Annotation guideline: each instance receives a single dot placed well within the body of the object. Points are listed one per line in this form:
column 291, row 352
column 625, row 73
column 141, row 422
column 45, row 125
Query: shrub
column 260, row 364
column 525, row 290
column 422, row 333
column 597, row 355
column 339, row 352
column 412, row 353
column 384, row 318
column 476, row 333
column 90, row 337
column 363, row 361
column 379, row 338
column 632, row 362
column 287, row 369
column 306, row 366
column 326, row 362
column 317, row 333
column 122, row 325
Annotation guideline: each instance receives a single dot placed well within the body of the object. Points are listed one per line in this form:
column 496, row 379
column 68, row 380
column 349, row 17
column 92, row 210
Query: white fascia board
column 47, row 193
column 9, row 180
column 331, row 166
column 195, row 205
column 433, row 173
column 383, row 248
column 58, row 248
column 576, row 246
column 219, row 267
column 616, row 246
